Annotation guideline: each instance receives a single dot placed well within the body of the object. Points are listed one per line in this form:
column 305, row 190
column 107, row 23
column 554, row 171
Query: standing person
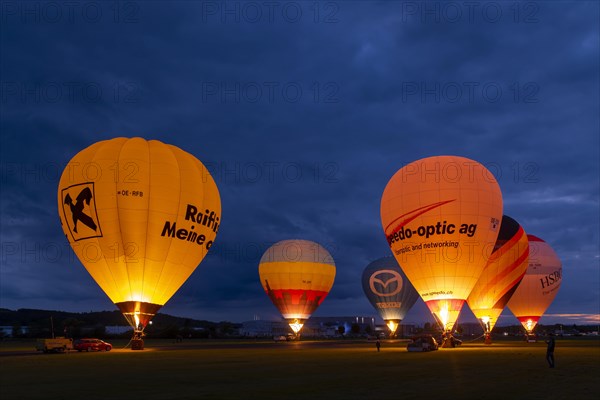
column 550, row 350
column 378, row 344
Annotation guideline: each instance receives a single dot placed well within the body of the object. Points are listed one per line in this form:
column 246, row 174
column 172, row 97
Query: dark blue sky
column 302, row 111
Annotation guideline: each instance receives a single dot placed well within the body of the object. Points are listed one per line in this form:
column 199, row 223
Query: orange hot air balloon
column 441, row 217
column 140, row 215
column 539, row 286
column 501, row 276
column 297, row 275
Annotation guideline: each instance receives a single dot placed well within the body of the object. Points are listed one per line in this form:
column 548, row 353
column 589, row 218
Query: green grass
column 291, row 370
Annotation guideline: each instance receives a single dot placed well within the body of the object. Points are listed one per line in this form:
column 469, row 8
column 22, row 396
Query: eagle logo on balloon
column 82, row 210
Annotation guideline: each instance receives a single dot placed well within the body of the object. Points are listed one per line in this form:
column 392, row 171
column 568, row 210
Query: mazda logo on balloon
column 383, row 285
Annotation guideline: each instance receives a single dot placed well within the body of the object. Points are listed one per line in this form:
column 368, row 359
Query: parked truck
column 57, row 345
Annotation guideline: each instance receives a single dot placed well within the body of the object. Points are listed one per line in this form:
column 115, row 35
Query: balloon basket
column 488, row 339
column 530, row 338
column 137, row 344
column 448, row 341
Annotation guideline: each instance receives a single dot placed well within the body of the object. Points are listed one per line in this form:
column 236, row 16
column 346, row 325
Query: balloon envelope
column 388, row 290
column 441, row 217
column 297, row 275
column 140, row 215
column 501, row 275
column 539, row 286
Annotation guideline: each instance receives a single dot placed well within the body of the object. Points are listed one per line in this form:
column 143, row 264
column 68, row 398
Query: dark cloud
column 302, row 122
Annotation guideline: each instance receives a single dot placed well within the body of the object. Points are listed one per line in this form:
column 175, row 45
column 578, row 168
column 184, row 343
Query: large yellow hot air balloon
column 501, row 276
column 140, row 215
column 539, row 286
column 441, row 217
column 297, row 275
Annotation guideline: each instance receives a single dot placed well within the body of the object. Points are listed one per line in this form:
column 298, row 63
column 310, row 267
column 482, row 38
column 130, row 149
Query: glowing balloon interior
column 140, row 215
column 501, row 276
column 297, row 275
column 441, row 217
column 539, row 286
column 388, row 290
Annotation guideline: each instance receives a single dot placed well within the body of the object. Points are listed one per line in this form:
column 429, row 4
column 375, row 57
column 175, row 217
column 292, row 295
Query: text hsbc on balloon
column 208, row 219
column 551, row 279
column 430, row 230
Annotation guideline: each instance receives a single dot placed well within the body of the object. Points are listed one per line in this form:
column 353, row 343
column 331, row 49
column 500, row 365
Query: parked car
column 89, row 344
column 422, row 343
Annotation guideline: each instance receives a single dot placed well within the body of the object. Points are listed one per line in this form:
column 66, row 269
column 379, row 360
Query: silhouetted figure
column 378, row 344
column 550, row 350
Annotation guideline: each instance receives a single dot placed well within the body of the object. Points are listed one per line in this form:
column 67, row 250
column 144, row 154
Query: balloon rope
column 469, row 341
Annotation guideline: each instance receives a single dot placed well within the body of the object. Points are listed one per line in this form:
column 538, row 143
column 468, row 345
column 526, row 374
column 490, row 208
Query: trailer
column 56, row 345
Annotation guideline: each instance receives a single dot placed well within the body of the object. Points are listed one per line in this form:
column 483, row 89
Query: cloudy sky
column 302, row 111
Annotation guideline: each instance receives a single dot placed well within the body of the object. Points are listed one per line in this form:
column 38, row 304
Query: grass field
column 303, row 370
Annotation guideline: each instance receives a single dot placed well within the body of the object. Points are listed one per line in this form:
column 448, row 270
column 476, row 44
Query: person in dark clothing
column 550, row 350
column 378, row 344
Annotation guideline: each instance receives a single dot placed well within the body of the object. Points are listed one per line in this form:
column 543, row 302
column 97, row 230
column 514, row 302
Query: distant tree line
column 31, row 323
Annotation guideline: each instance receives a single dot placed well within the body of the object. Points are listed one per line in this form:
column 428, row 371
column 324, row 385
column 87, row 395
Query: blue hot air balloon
column 389, row 291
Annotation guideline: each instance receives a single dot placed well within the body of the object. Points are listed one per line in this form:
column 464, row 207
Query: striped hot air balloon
column 501, row 275
column 297, row 275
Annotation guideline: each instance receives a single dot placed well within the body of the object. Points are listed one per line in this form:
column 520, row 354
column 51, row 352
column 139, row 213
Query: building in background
column 324, row 327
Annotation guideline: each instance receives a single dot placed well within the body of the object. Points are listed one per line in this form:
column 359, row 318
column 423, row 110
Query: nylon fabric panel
column 134, row 177
column 89, row 251
column 297, row 250
column 504, row 270
column 296, row 303
column 197, row 189
column 108, row 215
column 163, row 206
column 95, row 168
column 310, row 276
